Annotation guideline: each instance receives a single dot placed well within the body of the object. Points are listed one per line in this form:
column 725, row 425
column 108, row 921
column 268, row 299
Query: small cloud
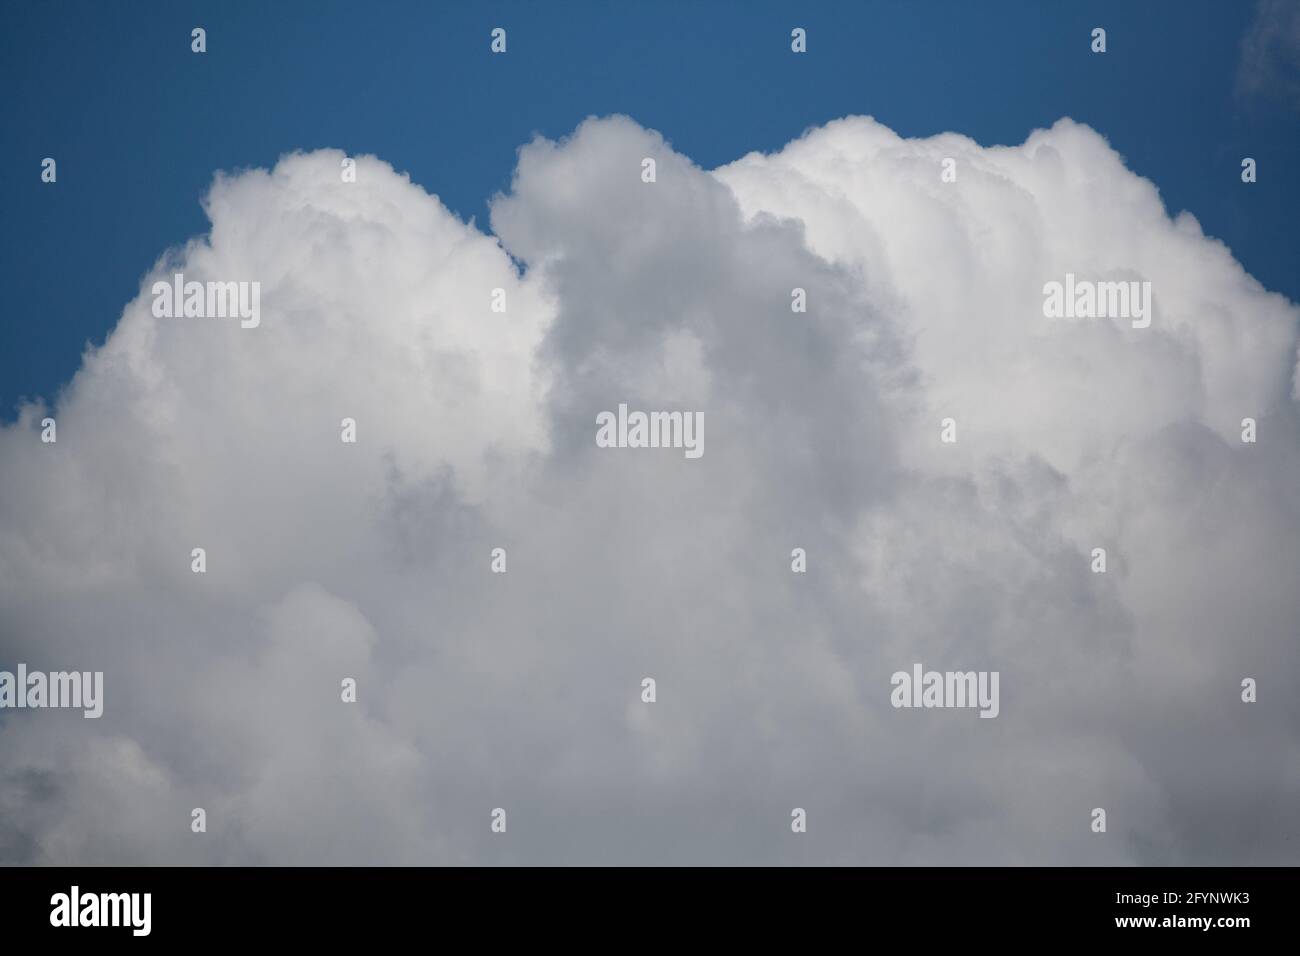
column 1270, row 53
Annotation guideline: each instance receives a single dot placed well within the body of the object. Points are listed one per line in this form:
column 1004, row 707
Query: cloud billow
column 475, row 431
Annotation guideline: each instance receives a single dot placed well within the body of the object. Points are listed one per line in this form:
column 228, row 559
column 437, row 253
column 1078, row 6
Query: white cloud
column 476, row 430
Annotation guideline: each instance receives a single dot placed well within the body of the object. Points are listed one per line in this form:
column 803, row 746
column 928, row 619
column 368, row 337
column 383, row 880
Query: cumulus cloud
column 476, row 430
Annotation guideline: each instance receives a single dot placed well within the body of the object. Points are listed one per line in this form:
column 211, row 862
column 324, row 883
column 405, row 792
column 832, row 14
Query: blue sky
column 1172, row 451
column 138, row 124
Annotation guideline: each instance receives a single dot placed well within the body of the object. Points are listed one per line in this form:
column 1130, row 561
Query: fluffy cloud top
column 476, row 430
